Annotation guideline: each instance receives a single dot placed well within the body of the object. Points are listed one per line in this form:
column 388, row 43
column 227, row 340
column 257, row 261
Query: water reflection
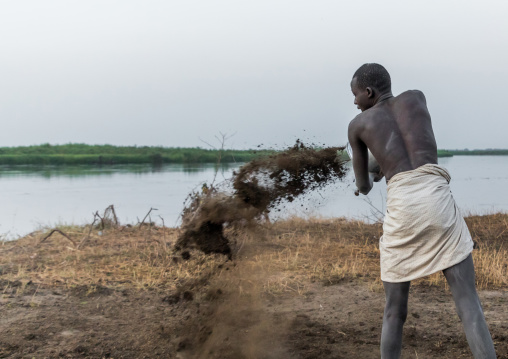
column 46, row 196
column 201, row 167
column 86, row 170
column 71, row 171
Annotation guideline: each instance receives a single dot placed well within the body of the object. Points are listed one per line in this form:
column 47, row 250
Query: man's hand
column 376, row 177
column 371, row 182
column 373, row 177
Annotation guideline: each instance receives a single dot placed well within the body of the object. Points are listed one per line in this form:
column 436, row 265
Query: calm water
column 34, row 198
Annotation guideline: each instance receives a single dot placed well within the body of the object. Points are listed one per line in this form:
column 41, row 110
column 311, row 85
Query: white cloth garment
column 423, row 230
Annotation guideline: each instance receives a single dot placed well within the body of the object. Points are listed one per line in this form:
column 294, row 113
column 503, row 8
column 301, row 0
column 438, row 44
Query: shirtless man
column 398, row 132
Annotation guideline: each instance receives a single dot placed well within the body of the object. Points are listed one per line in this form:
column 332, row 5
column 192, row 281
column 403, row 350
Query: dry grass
column 331, row 251
column 126, row 257
column 328, row 251
column 490, row 232
column 291, row 253
column 491, row 257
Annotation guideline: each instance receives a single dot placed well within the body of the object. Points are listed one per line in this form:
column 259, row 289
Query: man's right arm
column 360, row 156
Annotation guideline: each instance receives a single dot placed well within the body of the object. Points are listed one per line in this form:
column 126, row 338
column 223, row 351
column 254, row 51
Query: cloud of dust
column 237, row 324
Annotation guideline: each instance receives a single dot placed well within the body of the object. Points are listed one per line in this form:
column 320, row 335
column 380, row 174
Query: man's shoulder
column 354, row 127
column 357, row 121
column 412, row 94
column 365, row 117
column 362, row 122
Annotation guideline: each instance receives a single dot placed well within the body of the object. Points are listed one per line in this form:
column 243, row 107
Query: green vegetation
column 487, row 152
column 82, row 154
column 444, row 153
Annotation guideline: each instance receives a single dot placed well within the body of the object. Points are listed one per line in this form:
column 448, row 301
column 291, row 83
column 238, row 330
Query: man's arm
column 360, row 157
column 375, row 172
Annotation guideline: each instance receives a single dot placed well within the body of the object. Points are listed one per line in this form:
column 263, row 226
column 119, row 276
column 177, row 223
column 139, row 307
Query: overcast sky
column 174, row 73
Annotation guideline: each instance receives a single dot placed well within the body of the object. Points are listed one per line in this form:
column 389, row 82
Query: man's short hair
column 373, row 75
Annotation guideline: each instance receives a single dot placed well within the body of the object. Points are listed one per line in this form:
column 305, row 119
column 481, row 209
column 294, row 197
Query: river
column 33, row 198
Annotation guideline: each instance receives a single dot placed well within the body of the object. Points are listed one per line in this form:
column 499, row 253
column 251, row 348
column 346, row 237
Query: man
column 423, row 231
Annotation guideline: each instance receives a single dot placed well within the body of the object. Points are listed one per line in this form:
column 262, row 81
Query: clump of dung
column 257, row 187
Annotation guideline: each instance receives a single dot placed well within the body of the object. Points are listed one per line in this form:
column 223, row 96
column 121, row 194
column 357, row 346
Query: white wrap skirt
column 423, row 230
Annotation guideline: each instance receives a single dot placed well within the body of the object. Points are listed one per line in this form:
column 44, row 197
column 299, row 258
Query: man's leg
column 394, row 318
column 461, row 278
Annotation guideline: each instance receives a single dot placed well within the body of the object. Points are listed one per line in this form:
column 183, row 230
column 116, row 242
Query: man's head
column 369, row 82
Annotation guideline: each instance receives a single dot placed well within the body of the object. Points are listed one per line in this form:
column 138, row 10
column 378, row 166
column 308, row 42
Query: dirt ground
column 231, row 316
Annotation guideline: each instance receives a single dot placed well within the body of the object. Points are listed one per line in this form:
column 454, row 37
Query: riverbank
column 83, row 154
column 295, row 288
column 104, row 155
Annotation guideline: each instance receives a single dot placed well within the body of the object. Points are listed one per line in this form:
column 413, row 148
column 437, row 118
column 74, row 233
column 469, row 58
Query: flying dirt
column 257, row 188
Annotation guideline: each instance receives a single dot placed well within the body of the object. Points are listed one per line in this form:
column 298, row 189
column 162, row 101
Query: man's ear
column 370, row 92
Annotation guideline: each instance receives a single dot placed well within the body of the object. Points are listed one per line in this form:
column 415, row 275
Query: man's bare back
column 397, row 130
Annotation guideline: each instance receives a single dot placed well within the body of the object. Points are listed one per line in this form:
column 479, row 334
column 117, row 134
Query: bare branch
column 57, row 231
column 151, row 209
column 111, row 209
column 222, row 140
column 377, row 215
column 163, row 230
column 212, row 146
column 95, row 215
column 101, row 218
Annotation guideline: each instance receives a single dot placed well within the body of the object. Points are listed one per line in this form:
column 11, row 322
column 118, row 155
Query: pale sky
column 174, row 73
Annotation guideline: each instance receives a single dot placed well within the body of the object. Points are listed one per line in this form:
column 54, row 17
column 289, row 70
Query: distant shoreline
column 486, row 152
column 83, row 154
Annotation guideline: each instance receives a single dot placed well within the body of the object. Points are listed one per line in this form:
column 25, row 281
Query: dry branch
column 95, row 215
column 151, row 209
column 111, row 209
column 58, row 231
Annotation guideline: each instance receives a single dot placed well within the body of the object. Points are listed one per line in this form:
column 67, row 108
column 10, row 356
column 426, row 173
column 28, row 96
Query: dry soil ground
column 295, row 289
